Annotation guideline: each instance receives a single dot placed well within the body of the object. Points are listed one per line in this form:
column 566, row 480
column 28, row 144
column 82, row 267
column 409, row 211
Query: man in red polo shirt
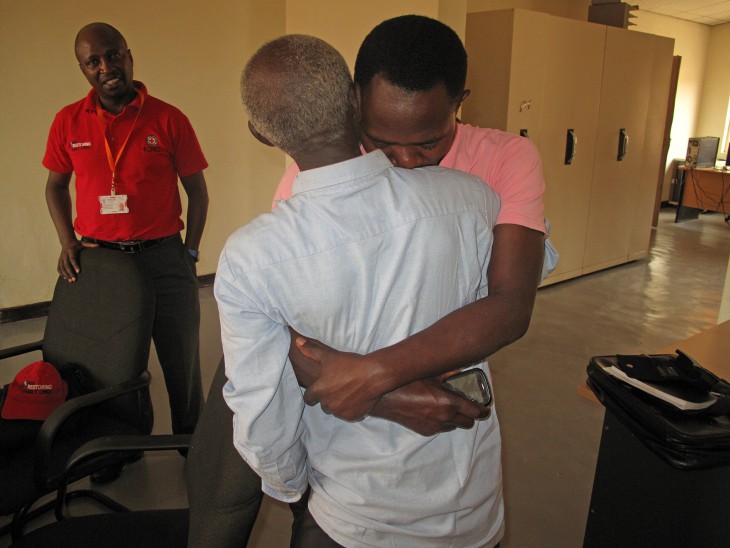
column 127, row 150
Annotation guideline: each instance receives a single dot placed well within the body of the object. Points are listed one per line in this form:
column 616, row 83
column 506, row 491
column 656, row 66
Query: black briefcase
column 674, row 406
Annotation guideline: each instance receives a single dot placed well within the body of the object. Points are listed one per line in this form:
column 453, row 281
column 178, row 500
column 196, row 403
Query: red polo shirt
column 162, row 146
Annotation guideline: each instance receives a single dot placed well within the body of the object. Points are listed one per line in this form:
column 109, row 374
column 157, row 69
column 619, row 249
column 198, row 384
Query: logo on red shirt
column 152, row 142
column 80, row 145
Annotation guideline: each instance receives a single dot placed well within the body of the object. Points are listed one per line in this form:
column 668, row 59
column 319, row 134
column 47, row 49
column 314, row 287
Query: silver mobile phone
column 472, row 384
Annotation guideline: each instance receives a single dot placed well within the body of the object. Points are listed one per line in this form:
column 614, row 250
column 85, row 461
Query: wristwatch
column 194, row 254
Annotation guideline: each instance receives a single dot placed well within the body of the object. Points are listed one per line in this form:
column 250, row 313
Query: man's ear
column 464, row 95
column 258, row 136
column 131, row 59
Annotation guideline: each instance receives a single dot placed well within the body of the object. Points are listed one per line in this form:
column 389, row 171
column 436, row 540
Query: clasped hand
column 349, row 385
column 424, row 406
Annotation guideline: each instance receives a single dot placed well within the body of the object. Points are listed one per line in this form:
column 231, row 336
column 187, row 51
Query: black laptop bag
column 687, row 439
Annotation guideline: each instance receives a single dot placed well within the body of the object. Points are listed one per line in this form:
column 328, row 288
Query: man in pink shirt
column 408, row 105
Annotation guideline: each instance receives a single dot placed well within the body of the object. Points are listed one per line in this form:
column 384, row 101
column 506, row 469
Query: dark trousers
column 305, row 533
column 176, row 328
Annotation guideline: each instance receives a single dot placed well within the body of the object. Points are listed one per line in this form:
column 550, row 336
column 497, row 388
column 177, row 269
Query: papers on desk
column 681, row 395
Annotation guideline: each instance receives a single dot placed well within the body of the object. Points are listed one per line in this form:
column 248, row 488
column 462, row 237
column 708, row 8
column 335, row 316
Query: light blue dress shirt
column 362, row 256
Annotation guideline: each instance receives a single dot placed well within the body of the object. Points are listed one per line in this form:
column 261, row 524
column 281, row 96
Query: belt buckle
column 131, row 247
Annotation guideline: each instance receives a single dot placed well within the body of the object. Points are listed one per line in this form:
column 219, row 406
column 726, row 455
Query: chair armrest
column 56, row 420
column 106, row 444
column 122, row 442
column 20, row 349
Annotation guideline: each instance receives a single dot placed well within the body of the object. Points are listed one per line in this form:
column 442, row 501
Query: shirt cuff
column 288, row 495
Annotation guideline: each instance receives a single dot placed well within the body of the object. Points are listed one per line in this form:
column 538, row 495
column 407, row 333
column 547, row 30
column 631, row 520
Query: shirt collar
column 140, row 88
column 341, row 172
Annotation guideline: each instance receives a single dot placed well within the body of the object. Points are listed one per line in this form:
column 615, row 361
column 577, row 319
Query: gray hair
column 296, row 89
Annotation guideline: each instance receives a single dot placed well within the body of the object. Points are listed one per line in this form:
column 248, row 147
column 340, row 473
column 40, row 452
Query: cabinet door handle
column 623, row 144
column 571, row 141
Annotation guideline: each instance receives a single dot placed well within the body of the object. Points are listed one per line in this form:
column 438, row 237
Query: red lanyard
column 109, row 156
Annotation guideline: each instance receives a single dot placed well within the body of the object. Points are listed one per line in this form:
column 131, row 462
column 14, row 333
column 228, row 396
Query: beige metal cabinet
column 574, row 58
column 561, row 80
column 617, row 169
column 652, row 161
column 635, row 90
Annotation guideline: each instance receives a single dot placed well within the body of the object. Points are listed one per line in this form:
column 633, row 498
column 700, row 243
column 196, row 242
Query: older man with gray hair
column 363, row 255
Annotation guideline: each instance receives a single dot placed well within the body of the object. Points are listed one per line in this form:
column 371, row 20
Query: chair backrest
column 223, row 492
column 102, row 322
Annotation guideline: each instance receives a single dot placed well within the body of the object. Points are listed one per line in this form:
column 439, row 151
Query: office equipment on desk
column 703, row 189
column 675, row 188
column 702, row 151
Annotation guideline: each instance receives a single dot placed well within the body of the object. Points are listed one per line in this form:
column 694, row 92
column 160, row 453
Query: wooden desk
column 704, row 189
column 710, row 348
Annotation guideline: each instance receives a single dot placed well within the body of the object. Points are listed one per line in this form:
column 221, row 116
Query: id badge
column 111, row 205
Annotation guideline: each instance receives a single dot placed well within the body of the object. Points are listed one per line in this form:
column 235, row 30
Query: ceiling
column 708, row 12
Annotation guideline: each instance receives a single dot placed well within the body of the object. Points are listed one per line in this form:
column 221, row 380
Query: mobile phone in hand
column 472, row 384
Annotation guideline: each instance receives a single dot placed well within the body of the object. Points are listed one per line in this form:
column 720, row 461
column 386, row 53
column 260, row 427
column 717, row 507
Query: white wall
column 345, row 24
column 716, row 90
column 187, row 53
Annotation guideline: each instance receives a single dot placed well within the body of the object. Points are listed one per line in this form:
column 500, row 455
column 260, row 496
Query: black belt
column 131, row 246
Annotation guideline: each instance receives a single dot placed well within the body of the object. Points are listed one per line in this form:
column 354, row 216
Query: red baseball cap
column 34, row 393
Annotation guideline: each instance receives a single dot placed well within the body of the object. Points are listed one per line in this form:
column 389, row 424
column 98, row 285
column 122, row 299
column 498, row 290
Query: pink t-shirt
column 509, row 164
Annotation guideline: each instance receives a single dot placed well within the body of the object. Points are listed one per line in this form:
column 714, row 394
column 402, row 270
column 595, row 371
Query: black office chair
column 100, row 327
column 224, row 494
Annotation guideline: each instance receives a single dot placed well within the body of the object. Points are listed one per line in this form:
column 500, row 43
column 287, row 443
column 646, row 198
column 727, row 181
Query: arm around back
column 460, row 338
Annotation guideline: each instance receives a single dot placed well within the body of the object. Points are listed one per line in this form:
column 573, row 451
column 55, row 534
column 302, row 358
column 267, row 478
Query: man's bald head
column 99, row 31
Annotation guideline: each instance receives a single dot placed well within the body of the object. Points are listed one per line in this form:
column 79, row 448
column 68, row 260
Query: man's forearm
column 197, row 192
column 479, row 329
column 465, row 336
column 58, row 199
column 194, row 227
column 425, row 407
column 307, row 371
column 261, row 390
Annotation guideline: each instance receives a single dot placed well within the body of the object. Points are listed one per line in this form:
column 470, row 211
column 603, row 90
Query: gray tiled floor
column 550, row 434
